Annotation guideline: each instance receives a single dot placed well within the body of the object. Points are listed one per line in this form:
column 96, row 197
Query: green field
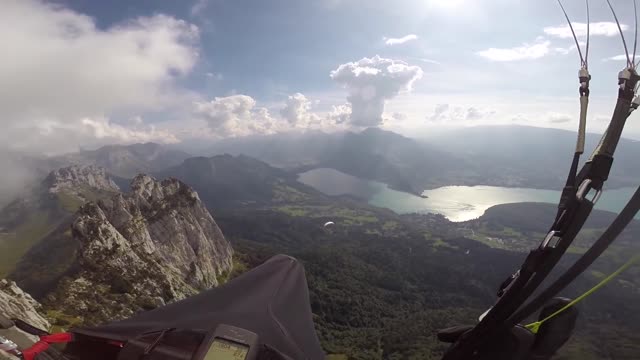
column 16, row 243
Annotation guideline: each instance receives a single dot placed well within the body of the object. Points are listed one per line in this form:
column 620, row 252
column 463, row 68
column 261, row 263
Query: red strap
column 57, row 338
column 43, row 344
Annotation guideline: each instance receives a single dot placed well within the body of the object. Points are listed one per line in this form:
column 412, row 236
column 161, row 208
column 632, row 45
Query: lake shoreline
column 458, row 203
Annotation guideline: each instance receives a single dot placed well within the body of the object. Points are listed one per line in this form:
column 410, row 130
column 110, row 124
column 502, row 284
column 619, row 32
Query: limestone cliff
column 140, row 250
column 17, row 304
column 75, row 177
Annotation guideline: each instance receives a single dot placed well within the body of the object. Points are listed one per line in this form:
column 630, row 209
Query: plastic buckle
column 584, row 189
column 9, row 346
column 547, row 239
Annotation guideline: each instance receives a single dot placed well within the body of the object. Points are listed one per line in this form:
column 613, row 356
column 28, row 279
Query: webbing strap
column 584, row 103
column 535, row 326
column 607, row 238
column 44, row 343
column 566, row 226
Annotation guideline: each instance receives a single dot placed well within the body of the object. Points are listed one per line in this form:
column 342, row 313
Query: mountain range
column 95, row 246
column 127, row 161
column 511, row 156
column 28, row 219
column 103, row 254
column 532, row 156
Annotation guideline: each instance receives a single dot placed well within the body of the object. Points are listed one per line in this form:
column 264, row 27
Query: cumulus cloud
column 622, row 57
column 399, row 41
column 339, row 114
column 474, row 114
column 448, row 113
column 399, row 116
column 297, row 111
column 372, row 81
column 523, row 52
column 198, row 7
column 439, row 112
column 63, row 77
column 558, row 118
column 47, row 134
column 603, row 28
column 235, row 115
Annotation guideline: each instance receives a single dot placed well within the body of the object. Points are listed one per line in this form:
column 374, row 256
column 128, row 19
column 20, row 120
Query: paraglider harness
column 499, row 333
column 262, row 314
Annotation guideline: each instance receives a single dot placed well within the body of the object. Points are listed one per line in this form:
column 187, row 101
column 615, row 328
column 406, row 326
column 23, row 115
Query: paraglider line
column 586, row 53
column 624, row 43
column 583, row 63
column 635, row 40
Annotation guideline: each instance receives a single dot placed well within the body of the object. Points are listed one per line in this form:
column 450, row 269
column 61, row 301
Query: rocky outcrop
column 17, row 304
column 42, row 220
column 75, row 177
column 140, row 250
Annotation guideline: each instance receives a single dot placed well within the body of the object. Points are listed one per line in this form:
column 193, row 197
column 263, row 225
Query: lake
column 457, row 203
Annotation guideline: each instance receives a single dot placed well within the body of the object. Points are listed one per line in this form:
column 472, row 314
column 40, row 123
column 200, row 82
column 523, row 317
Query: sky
column 83, row 73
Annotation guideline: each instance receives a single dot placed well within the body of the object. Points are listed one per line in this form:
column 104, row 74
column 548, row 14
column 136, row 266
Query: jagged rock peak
column 139, row 250
column 76, row 176
column 151, row 189
column 17, row 304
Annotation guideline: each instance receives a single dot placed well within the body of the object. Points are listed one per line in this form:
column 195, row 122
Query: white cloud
column 558, row 118
column 372, row 81
column 622, row 57
column 297, row 111
column 523, row 52
column 399, row 116
column 339, row 114
column 198, row 6
column 235, row 115
column 399, row 41
column 47, row 134
column 430, row 61
column 604, row 28
column 439, row 112
column 474, row 114
column 569, row 49
column 448, row 113
column 59, row 69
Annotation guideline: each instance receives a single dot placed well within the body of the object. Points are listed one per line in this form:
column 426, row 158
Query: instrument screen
column 222, row 349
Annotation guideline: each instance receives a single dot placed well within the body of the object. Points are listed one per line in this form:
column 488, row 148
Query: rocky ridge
column 140, row 250
column 76, row 176
column 17, row 304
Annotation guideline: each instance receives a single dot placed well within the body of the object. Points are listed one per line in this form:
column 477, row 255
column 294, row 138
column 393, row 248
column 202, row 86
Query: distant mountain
column 128, row 161
column 511, row 156
column 531, row 156
column 21, row 171
column 398, row 161
column 27, row 220
column 226, row 181
column 372, row 154
column 287, row 150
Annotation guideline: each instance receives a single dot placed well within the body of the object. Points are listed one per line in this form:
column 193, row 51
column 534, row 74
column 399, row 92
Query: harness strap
column 535, row 326
column 44, row 343
column 613, row 231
